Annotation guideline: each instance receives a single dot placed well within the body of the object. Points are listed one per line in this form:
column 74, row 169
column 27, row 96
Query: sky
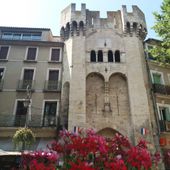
column 46, row 13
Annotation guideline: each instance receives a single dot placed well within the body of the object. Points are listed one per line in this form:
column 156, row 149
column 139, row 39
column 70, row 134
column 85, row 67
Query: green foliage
column 23, row 137
column 162, row 28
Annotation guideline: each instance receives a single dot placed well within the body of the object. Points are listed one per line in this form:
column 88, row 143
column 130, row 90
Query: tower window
column 117, row 56
column 100, row 56
column 93, row 56
column 110, row 56
column 128, row 27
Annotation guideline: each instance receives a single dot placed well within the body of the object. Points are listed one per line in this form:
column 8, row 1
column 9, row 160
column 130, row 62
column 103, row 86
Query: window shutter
column 167, row 114
column 157, row 78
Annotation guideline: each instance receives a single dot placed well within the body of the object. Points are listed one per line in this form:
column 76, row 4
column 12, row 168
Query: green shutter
column 156, row 78
column 167, row 114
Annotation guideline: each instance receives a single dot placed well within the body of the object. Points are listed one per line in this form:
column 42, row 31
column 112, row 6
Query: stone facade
column 104, row 67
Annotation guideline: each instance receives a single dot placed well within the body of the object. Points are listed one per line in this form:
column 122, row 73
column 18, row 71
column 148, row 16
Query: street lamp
column 27, row 105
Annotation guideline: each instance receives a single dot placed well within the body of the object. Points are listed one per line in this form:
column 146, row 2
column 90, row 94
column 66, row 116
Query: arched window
column 62, row 33
column 67, row 30
column 128, row 27
column 100, row 56
column 93, row 56
column 117, row 56
column 74, row 25
column 81, row 25
column 135, row 27
column 110, row 56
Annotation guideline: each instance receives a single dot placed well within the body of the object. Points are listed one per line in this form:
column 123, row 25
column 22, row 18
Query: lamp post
column 27, row 105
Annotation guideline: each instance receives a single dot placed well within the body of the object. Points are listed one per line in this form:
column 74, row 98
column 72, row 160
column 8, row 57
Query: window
column 93, row 56
column 164, row 117
column 164, row 113
column 117, row 56
column 110, row 56
column 16, row 36
column 2, row 70
column 21, row 36
column 128, row 27
column 26, row 79
column 53, row 77
column 3, row 52
column 100, row 56
column 31, row 53
column 20, row 113
column 55, row 54
column 26, row 36
column 157, row 77
column 1, row 74
column 49, row 115
column 7, row 35
column 150, row 47
column 36, row 36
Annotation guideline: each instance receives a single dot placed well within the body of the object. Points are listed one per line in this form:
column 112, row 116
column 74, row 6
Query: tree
column 23, row 138
column 161, row 52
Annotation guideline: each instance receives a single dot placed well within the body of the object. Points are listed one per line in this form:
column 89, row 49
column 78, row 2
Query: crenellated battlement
column 134, row 22
column 78, row 22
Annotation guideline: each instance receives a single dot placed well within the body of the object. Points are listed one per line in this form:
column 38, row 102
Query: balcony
column 23, row 84
column 161, row 89
column 52, row 86
column 20, row 120
column 10, row 123
column 1, row 84
column 164, row 126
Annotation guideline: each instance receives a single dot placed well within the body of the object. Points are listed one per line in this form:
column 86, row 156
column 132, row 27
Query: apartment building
column 30, row 71
column 160, row 91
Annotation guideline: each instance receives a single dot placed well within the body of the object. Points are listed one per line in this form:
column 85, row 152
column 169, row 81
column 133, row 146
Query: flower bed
column 86, row 150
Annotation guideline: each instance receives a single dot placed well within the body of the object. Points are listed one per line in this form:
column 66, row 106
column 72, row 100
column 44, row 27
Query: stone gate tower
column 104, row 75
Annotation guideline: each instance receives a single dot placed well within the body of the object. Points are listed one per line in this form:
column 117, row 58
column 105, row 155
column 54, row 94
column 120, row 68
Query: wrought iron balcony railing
column 161, row 89
column 52, row 86
column 164, row 125
column 20, row 120
column 1, row 84
column 23, row 84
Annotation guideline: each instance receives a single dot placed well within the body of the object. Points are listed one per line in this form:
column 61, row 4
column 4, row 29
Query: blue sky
column 46, row 13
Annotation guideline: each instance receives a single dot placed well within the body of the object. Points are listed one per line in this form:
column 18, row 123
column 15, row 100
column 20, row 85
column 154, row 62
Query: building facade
column 93, row 76
column 30, row 69
column 104, row 72
column 160, row 91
